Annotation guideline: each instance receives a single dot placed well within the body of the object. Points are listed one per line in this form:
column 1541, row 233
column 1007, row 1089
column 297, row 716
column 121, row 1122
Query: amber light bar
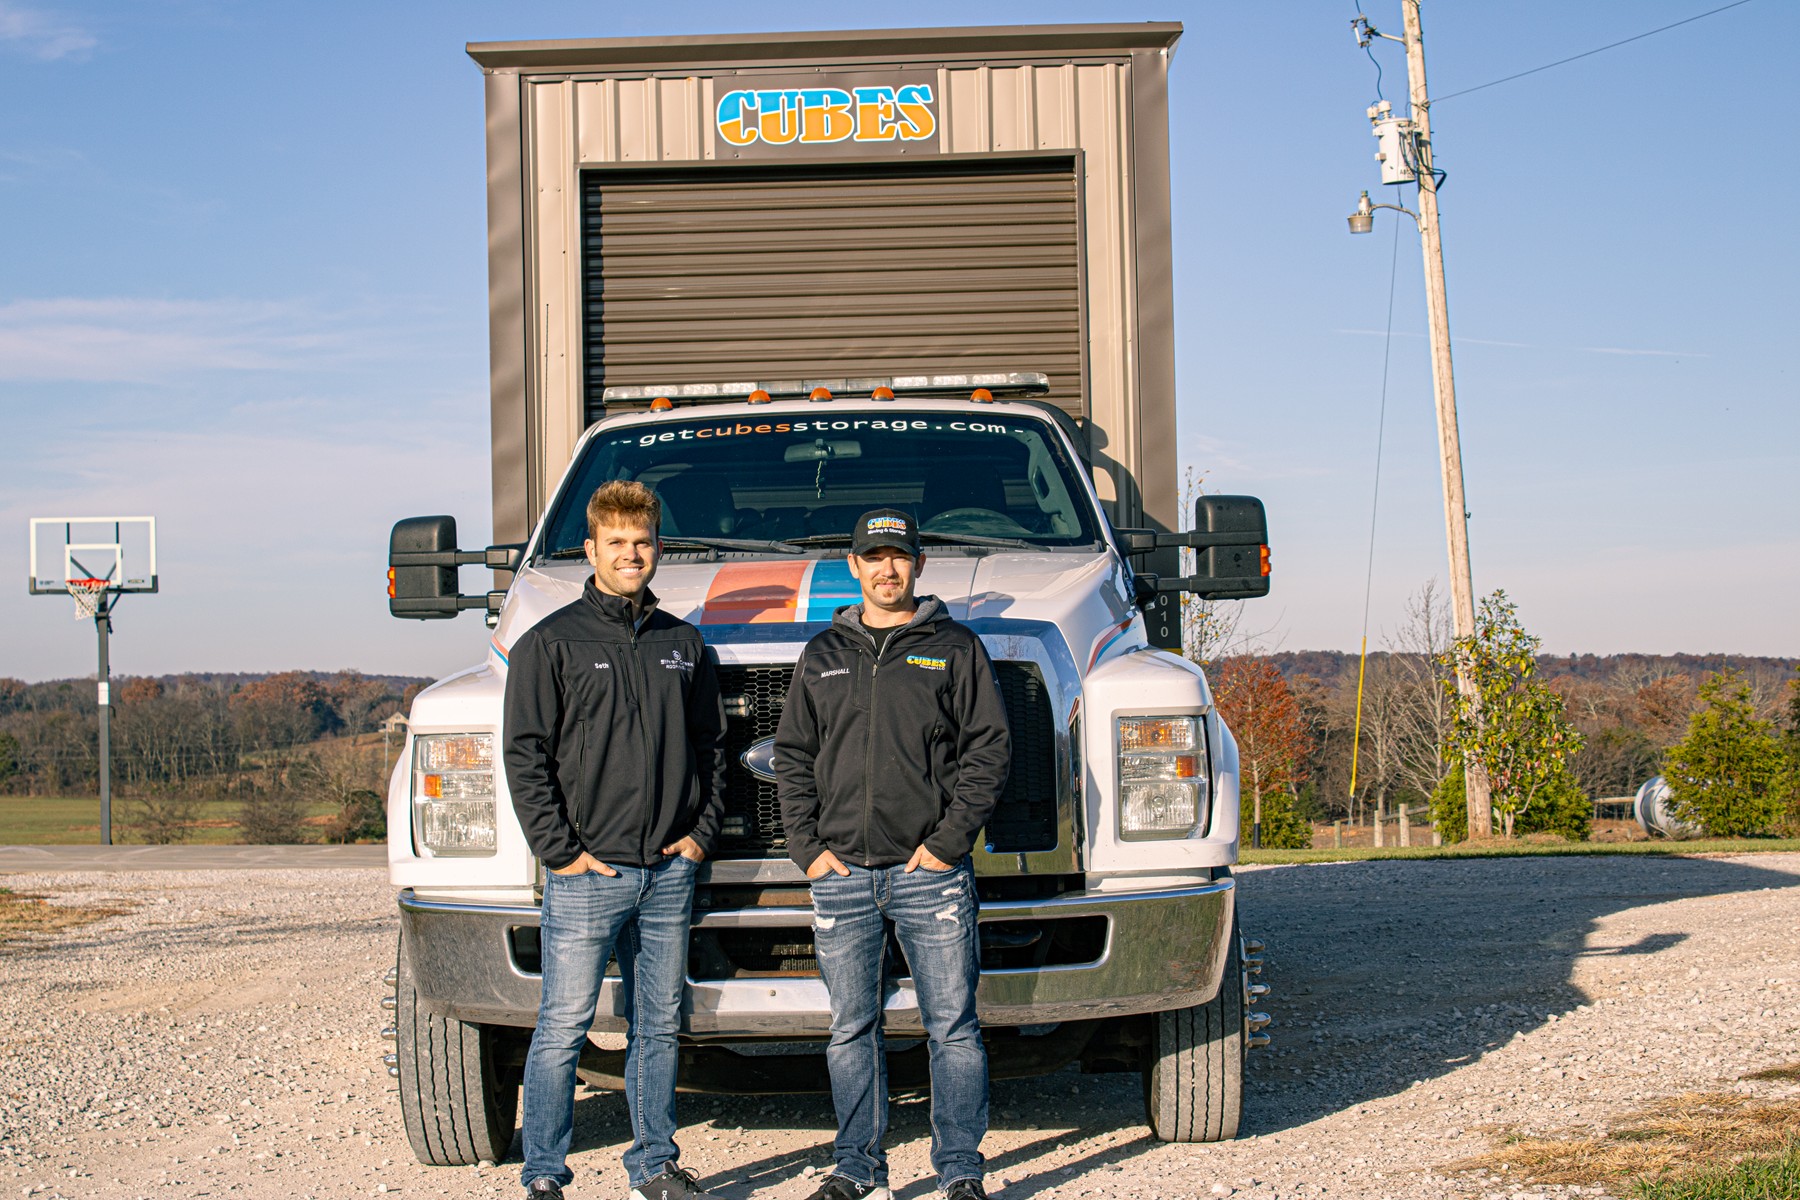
column 998, row 383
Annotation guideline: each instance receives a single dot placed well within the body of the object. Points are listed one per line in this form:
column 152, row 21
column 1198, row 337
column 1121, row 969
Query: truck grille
column 1024, row 821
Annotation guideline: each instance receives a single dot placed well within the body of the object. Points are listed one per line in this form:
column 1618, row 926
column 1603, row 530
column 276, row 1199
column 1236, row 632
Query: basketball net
column 87, row 594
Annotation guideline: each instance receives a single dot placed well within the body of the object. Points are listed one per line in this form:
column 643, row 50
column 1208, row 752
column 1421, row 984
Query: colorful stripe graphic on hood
column 765, row 593
column 832, row 587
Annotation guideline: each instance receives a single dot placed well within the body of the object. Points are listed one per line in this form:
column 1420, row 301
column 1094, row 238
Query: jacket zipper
column 869, row 738
column 869, row 753
column 642, row 682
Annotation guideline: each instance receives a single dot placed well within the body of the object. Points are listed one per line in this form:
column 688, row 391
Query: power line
column 1590, row 53
column 1387, row 354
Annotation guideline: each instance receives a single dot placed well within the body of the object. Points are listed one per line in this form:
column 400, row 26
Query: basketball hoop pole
column 93, row 561
column 103, row 627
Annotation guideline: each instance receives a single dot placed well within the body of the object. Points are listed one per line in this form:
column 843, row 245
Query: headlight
column 453, row 793
column 1164, row 784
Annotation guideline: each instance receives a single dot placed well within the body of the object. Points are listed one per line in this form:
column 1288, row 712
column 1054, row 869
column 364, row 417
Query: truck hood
column 1059, row 588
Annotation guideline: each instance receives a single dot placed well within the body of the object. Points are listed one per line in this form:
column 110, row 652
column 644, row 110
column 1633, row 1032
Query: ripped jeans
column 933, row 916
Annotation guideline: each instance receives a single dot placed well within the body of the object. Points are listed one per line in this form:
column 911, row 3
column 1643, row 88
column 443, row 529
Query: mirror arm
column 505, row 557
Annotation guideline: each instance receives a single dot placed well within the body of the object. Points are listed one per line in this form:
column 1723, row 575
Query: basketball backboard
column 119, row 550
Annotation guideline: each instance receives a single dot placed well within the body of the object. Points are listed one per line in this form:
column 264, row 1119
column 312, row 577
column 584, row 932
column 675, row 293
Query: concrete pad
column 185, row 858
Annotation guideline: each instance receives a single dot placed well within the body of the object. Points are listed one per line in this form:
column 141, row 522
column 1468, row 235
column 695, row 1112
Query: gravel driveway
column 221, row 1039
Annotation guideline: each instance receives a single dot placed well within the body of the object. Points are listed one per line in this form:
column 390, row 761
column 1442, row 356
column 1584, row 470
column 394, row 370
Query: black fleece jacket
column 877, row 757
column 614, row 734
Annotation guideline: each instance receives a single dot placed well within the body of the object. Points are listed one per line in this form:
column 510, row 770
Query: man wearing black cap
column 891, row 754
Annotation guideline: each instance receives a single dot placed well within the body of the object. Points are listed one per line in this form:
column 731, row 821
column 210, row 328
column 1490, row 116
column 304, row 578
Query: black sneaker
column 836, row 1187
column 965, row 1189
column 673, row 1184
column 543, row 1189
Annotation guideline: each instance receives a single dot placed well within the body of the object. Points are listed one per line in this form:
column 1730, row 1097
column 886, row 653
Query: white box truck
column 784, row 279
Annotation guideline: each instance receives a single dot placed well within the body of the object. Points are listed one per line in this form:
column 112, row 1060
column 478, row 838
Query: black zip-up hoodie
column 876, row 758
column 613, row 733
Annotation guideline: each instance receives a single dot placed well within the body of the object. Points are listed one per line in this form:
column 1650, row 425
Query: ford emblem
column 759, row 759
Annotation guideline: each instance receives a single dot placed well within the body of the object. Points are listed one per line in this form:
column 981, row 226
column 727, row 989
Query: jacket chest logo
column 927, row 663
column 837, row 671
column 675, row 662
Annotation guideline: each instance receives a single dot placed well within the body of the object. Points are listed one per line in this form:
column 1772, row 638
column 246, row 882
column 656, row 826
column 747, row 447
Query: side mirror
column 1231, row 536
column 427, row 591
column 422, row 569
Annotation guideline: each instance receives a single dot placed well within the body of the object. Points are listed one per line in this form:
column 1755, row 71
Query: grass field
column 75, row 821
column 1521, row 849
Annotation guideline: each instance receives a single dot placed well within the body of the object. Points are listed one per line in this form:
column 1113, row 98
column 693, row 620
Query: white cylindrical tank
column 1655, row 812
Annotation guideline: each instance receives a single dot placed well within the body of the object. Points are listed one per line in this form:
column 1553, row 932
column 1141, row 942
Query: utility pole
column 1415, row 150
column 1437, row 307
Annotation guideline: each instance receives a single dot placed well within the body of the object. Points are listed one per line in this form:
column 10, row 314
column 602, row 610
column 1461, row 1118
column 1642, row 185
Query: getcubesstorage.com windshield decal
column 725, row 429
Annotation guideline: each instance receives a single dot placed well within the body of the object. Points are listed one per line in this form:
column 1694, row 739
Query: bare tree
column 1423, row 714
column 162, row 813
column 348, row 777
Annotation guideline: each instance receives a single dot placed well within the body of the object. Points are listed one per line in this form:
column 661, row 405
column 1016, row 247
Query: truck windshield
column 793, row 480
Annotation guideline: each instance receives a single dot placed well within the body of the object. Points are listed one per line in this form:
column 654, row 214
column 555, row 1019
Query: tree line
column 1553, row 733
column 275, row 747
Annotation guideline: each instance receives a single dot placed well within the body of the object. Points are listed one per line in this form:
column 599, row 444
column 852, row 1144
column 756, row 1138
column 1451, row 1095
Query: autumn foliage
column 1272, row 739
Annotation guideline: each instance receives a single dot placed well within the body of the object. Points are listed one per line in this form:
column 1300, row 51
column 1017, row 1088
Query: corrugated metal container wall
column 1070, row 120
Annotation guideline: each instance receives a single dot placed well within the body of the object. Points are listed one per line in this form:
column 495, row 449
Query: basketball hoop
column 87, row 594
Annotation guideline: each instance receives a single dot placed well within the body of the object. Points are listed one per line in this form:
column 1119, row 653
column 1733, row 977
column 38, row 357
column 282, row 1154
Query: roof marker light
column 882, row 393
column 661, row 404
column 759, row 397
column 982, row 396
column 820, row 393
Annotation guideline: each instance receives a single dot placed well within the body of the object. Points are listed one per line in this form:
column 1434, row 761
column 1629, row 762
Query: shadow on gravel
column 1384, row 973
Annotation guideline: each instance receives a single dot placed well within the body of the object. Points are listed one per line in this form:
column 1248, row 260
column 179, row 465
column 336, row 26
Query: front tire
column 459, row 1102
column 1194, row 1077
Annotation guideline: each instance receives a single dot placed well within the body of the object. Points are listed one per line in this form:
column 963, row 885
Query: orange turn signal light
column 882, row 393
column 661, row 404
column 759, row 397
column 1265, row 560
column 390, row 583
column 982, row 396
column 820, row 393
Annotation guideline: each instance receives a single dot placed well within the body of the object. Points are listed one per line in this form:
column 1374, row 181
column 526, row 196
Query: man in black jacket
column 892, row 752
column 613, row 753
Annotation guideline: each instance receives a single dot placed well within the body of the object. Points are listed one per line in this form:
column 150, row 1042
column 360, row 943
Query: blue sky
column 244, row 290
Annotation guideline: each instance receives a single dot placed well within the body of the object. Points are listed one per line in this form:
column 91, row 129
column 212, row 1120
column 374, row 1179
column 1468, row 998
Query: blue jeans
column 642, row 913
column 933, row 915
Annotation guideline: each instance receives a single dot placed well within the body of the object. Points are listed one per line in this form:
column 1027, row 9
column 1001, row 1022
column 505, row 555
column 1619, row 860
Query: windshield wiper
column 976, row 539
column 725, row 543
column 698, row 543
column 947, row 539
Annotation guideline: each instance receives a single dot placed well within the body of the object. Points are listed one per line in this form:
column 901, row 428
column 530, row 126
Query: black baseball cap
column 885, row 527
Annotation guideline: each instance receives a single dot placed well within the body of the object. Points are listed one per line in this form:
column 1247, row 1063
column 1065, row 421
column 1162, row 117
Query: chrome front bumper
column 1164, row 950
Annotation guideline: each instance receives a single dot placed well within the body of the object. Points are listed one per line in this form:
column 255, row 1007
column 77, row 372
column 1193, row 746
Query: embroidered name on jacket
column 829, row 674
column 928, row 664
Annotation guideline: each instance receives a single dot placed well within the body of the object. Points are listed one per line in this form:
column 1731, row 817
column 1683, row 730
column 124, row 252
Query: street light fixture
column 1363, row 219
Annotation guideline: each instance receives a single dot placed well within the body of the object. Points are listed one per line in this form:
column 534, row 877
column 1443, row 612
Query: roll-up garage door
column 734, row 274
